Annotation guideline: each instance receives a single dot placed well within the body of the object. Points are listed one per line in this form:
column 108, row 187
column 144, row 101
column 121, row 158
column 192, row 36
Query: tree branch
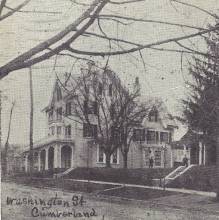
column 196, row 7
column 23, row 60
column 14, row 10
column 90, row 53
column 149, row 21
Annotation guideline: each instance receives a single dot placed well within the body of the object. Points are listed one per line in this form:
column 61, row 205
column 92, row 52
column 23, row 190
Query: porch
column 54, row 155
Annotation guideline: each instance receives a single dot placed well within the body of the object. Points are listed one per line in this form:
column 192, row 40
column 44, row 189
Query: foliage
column 202, row 105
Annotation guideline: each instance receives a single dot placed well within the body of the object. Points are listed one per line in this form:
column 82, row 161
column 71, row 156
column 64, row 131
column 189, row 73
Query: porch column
column 46, row 159
column 59, row 148
column 200, row 153
column 72, row 156
column 39, row 161
column 26, row 163
column 55, row 157
column 204, row 154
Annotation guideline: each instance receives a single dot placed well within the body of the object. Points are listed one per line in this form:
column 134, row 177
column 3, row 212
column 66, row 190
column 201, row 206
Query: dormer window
column 153, row 116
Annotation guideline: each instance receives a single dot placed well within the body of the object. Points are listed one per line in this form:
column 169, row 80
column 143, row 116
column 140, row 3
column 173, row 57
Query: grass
column 102, row 189
column 138, row 193
column 198, row 178
column 61, row 184
column 131, row 176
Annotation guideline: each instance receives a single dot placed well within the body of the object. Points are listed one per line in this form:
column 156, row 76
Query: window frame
column 151, row 141
column 141, row 136
column 67, row 129
column 111, row 90
column 117, row 155
column 68, row 109
column 98, row 156
column 59, row 128
column 59, row 113
column 87, row 133
column 162, row 139
column 153, row 115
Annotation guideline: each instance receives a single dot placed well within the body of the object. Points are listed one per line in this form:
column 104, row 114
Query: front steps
column 59, row 175
column 171, row 176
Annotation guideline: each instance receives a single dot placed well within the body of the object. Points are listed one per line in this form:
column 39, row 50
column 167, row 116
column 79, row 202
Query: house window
column 58, row 93
column 110, row 89
column 59, row 113
column 68, row 109
column 157, row 157
column 147, row 154
column 87, row 89
column 53, row 130
column 59, row 130
column 112, row 111
column 170, row 137
column 68, row 131
column 164, row 137
column 89, row 130
column 115, row 157
column 51, row 115
column 91, row 107
column 139, row 135
column 151, row 137
column 100, row 89
column 157, row 137
column 153, row 115
column 101, row 158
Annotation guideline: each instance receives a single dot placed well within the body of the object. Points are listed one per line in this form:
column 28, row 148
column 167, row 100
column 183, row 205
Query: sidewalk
column 186, row 191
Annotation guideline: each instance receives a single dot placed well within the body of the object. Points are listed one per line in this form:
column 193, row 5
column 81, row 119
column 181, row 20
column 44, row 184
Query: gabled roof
column 188, row 139
column 167, row 119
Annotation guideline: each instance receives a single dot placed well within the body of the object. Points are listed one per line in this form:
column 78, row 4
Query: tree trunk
column 125, row 160
column 108, row 160
column 31, row 122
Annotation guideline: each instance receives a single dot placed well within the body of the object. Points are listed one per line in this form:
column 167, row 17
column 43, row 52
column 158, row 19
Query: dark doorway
column 66, row 153
column 51, row 158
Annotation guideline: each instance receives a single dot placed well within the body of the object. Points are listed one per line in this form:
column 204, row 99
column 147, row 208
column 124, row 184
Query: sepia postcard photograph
column 109, row 109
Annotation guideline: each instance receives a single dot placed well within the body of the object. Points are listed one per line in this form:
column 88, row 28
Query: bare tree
column 136, row 112
column 105, row 108
column 64, row 40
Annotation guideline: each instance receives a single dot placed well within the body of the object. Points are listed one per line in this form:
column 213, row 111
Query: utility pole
column 31, row 121
column 7, row 140
column 0, row 119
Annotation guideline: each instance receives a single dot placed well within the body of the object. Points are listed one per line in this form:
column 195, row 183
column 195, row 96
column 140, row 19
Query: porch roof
column 49, row 140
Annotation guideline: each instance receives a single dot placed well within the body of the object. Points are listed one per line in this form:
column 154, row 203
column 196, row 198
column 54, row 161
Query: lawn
column 65, row 184
column 138, row 193
column 131, row 176
column 197, row 178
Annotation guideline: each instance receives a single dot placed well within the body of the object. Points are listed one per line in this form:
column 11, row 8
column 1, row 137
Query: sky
column 162, row 74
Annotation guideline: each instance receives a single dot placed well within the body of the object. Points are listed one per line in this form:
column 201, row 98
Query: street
column 24, row 202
